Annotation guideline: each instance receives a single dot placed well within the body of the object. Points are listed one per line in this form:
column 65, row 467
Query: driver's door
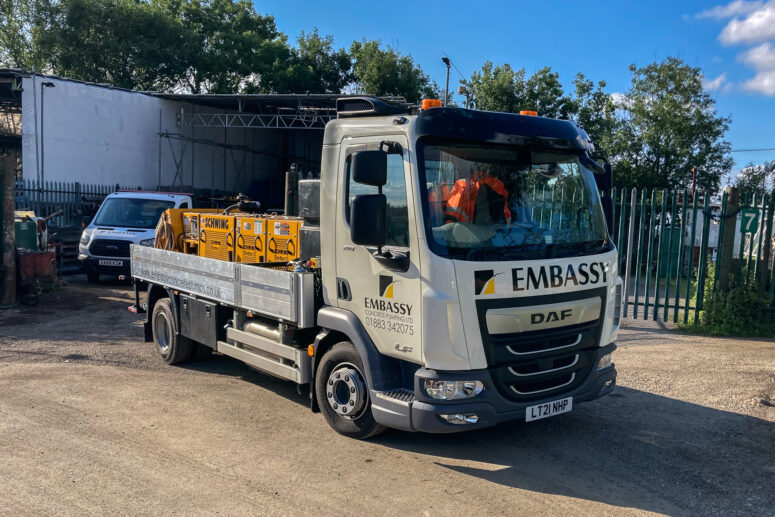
column 387, row 301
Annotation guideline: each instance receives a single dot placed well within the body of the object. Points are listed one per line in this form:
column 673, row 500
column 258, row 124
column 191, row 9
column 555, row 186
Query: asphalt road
column 92, row 422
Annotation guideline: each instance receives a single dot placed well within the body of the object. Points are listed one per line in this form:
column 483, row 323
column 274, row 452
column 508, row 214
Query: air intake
column 367, row 107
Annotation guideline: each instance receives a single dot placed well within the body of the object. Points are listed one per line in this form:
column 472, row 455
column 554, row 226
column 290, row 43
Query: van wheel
column 93, row 277
column 342, row 393
column 172, row 347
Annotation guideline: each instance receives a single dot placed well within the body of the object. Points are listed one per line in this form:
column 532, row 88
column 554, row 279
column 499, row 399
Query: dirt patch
column 93, row 422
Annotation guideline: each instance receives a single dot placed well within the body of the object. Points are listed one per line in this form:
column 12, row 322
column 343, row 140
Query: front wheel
column 342, row 393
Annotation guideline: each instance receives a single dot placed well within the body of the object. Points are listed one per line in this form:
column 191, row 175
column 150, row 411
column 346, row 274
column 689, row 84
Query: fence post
column 702, row 266
column 78, row 200
column 726, row 248
column 764, row 269
column 7, row 243
column 628, row 255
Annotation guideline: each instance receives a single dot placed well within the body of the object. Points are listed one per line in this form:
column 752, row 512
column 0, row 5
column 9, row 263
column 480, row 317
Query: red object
column 36, row 265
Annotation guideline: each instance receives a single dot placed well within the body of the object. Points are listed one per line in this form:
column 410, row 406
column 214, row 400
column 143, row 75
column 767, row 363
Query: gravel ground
column 92, row 422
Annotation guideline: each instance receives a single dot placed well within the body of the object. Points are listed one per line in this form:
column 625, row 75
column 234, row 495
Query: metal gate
column 672, row 242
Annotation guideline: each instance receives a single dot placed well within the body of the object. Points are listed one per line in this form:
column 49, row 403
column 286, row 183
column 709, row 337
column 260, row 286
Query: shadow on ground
column 664, row 443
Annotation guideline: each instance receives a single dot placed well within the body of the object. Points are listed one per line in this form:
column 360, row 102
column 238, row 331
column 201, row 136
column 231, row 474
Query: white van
column 124, row 218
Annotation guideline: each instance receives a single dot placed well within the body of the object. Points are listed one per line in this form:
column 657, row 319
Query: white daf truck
column 466, row 276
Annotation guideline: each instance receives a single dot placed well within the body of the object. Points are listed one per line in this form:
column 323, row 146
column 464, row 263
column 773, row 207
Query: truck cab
column 473, row 259
column 124, row 218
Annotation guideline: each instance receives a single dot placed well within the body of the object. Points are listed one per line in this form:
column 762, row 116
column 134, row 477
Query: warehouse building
column 63, row 131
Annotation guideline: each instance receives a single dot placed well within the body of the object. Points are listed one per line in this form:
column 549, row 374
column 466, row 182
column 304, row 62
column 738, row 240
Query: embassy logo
column 386, row 286
column 484, row 282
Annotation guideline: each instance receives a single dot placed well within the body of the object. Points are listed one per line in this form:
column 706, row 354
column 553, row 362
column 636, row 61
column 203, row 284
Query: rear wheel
column 342, row 393
column 172, row 347
column 93, row 277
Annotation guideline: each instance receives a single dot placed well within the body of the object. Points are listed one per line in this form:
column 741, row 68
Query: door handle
column 343, row 290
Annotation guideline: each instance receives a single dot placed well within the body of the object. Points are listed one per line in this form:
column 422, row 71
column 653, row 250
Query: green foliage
column 232, row 48
column 315, row 66
column 653, row 135
column 501, row 88
column 741, row 311
column 670, row 125
column 754, row 179
column 595, row 111
column 22, row 22
column 386, row 71
column 664, row 125
column 121, row 42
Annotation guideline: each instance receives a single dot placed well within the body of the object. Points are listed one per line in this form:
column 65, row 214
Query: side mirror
column 369, row 168
column 608, row 212
column 368, row 216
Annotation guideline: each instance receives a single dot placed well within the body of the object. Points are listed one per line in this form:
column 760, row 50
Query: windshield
column 491, row 202
column 131, row 212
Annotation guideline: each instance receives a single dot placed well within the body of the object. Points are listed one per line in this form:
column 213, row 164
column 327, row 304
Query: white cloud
column 736, row 8
column 714, row 84
column 756, row 26
column 762, row 59
column 762, row 82
column 619, row 99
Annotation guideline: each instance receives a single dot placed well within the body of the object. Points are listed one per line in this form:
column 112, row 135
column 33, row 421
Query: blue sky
column 733, row 43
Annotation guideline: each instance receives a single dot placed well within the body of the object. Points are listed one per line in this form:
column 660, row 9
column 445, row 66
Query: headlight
column 85, row 238
column 147, row 242
column 450, row 390
column 604, row 362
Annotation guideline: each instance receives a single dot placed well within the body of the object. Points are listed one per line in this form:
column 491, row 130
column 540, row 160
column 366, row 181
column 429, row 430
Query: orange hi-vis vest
column 462, row 200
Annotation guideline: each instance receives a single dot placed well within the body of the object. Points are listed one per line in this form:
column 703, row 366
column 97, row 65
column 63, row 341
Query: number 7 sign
column 749, row 220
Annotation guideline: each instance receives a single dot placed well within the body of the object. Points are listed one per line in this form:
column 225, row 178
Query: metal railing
column 74, row 199
column 670, row 243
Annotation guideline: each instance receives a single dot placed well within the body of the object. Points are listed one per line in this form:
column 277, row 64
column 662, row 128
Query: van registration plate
column 548, row 409
column 116, row 263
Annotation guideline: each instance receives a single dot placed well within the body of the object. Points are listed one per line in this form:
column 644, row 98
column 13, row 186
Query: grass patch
column 740, row 312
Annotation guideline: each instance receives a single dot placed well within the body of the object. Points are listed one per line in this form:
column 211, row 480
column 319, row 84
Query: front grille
column 529, row 366
column 109, row 248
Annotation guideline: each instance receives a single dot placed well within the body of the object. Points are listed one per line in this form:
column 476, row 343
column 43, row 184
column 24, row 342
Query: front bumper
column 92, row 264
column 420, row 413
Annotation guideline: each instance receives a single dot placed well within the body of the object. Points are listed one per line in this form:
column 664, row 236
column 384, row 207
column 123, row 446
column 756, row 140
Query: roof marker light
column 529, row 113
column 430, row 103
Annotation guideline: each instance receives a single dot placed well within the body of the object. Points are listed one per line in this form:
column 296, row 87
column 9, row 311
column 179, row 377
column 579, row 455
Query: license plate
column 116, row 263
column 556, row 407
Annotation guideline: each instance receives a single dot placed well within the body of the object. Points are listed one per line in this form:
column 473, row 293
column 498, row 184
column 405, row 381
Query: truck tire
column 342, row 393
column 172, row 347
column 93, row 277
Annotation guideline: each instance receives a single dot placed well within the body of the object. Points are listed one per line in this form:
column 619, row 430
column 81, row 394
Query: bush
column 741, row 311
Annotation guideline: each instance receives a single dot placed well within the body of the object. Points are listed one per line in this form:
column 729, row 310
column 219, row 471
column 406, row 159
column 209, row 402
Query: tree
column 385, row 72
column 669, row 125
column 501, row 88
column 233, row 48
column 125, row 43
column 754, row 179
column 595, row 111
column 315, row 66
column 22, row 22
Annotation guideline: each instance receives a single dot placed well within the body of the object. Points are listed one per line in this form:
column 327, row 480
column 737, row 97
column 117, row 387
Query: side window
column 395, row 192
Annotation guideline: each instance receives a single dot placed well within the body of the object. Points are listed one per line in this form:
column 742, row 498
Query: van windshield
column 131, row 212
column 497, row 202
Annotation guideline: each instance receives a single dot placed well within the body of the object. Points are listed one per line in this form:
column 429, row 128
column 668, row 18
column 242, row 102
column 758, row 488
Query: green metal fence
column 669, row 245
